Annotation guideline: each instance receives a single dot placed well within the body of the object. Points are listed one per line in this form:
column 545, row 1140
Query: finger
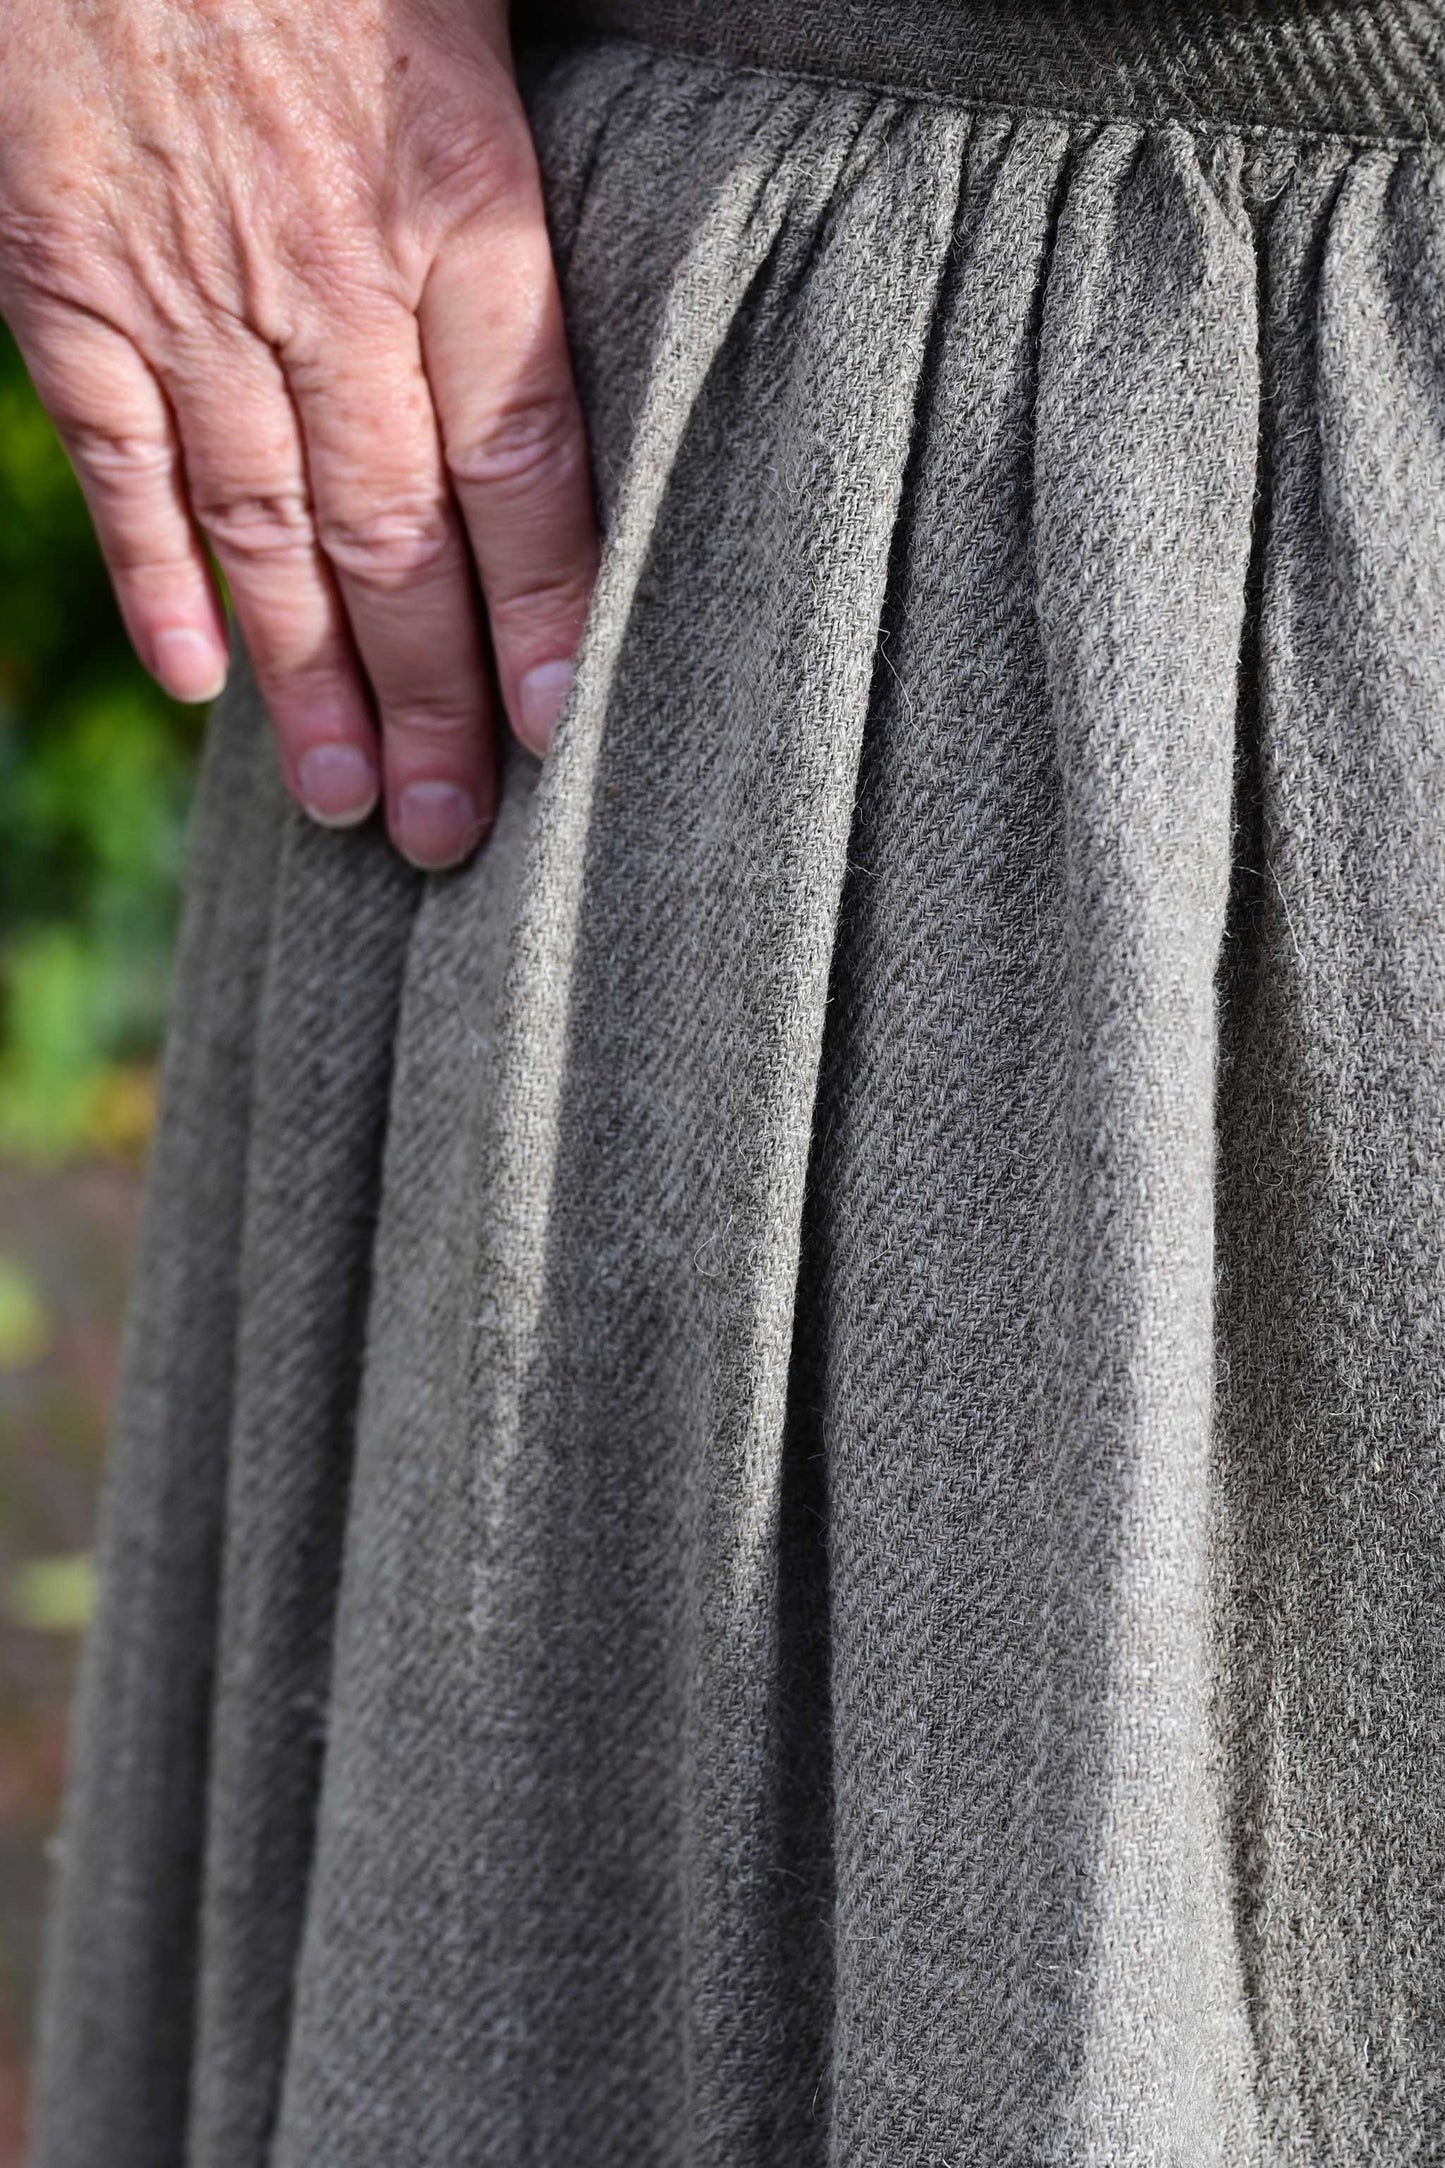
column 245, row 467
column 111, row 414
column 388, row 523
column 496, row 354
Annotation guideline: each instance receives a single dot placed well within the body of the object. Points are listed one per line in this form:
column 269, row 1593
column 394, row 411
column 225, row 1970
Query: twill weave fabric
column 779, row 1498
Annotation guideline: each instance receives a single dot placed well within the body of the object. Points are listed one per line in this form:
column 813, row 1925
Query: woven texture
column 780, row 1498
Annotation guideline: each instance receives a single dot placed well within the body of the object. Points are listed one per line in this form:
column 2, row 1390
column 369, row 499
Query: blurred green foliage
column 95, row 773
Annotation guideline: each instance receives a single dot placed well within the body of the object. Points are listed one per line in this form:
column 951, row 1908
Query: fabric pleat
column 779, row 1497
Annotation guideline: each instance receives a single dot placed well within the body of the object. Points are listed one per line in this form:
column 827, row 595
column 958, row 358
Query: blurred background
column 95, row 774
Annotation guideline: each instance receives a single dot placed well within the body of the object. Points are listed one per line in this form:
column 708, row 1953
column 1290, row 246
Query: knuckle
column 391, row 547
column 558, row 598
column 119, row 462
column 256, row 526
column 477, row 156
column 47, row 255
column 445, row 721
column 337, row 277
column 533, row 441
column 294, row 691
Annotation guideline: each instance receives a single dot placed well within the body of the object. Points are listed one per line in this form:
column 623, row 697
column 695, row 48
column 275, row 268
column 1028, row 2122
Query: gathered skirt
column 779, row 1496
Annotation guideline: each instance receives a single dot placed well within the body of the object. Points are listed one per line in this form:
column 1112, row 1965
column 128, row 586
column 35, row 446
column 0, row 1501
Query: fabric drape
column 780, row 1494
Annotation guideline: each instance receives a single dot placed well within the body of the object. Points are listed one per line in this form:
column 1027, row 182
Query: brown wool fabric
column 780, row 1493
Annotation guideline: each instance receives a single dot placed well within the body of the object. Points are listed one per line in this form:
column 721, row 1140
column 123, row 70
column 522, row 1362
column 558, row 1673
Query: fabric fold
column 327, row 1024
column 1144, row 479
column 1018, row 1381
column 117, row 2025
column 627, row 1342
column 1332, row 1278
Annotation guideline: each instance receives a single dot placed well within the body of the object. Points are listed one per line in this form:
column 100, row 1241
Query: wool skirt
column 779, row 1499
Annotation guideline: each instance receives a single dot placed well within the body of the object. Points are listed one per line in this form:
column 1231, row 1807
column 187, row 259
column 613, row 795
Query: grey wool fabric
column 780, row 1493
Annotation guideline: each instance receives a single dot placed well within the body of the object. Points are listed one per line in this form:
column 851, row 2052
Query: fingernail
column 436, row 824
column 540, row 696
column 189, row 664
column 338, row 784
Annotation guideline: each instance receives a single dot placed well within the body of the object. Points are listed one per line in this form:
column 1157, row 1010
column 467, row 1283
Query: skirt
column 779, row 1499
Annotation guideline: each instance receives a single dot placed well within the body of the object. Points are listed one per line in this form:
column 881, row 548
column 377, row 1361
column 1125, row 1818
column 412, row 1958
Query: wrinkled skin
column 280, row 273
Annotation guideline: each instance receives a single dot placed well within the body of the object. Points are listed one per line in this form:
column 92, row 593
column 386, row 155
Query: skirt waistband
column 1365, row 68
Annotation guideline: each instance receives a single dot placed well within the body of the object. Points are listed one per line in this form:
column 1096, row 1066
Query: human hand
column 280, row 273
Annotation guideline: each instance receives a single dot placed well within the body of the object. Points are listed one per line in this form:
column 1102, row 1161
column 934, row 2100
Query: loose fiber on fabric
column 779, row 1497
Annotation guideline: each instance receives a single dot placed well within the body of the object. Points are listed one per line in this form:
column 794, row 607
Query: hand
column 280, row 272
